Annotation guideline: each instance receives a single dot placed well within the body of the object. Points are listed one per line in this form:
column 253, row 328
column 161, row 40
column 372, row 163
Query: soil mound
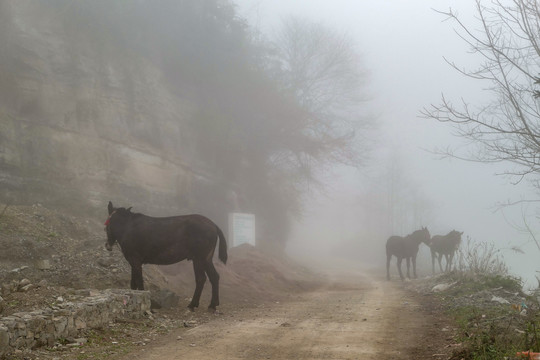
column 55, row 252
column 249, row 276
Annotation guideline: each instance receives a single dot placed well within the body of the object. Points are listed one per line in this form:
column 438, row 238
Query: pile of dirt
column 250, row 276
column 54, row 252
column 45, row 253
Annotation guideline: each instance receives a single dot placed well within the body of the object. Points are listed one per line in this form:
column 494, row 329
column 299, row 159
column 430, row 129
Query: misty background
column 202, row 107
column 403, row 46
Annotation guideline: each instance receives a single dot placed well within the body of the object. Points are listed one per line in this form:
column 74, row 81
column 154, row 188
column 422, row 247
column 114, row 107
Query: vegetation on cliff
column 260, row 119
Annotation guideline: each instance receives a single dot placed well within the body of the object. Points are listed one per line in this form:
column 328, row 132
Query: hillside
column 47, row 254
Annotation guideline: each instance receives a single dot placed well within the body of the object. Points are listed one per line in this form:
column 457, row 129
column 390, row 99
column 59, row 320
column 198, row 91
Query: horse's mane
column 416, row 233
column 128, row 211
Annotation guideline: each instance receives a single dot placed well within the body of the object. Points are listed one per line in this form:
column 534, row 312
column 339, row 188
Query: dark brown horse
column 405, row 248
column 167, row 240
column 444, row 245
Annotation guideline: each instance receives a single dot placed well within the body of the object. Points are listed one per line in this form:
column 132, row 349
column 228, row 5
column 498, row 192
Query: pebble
column 81, row 340
column 27, row 288
column 19, row 269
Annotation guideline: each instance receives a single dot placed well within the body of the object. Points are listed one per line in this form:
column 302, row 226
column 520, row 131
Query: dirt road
column 361, row 319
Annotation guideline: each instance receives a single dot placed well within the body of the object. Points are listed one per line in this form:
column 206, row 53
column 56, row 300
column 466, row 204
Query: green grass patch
column 490, row 330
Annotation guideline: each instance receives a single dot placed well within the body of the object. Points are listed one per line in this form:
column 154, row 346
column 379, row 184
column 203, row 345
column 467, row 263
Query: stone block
column 4, row 340
column 44, row 327
column 43, row 264
column 165, row 299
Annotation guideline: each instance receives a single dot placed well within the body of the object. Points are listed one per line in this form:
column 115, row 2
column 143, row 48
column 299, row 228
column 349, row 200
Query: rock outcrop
column 82, row 122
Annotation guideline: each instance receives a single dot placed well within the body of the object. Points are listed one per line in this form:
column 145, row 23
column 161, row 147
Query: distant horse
column 167, row 240
column 444, row 245
column 405, row 248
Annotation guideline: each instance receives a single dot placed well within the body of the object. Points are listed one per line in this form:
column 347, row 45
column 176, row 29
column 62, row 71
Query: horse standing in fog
column 168, row 240
column 405, row 248
column 444, row 245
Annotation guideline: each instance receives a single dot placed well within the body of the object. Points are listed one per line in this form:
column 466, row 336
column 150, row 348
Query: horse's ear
column 129, row 208
column 461, row 233
column 110, row 208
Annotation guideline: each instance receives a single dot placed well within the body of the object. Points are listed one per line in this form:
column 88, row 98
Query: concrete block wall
column 95, row 309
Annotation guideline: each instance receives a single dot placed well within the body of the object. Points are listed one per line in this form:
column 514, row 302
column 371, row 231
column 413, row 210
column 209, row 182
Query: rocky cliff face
column 82, row 123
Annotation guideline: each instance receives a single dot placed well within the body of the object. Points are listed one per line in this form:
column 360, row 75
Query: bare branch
column 508, row 127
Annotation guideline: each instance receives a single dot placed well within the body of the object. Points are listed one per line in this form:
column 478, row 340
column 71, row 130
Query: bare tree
column 507, row 128
column 320, row 69
column 311, row 122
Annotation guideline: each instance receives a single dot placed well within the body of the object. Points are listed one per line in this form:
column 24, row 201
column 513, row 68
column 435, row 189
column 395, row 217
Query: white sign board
column 241, row 228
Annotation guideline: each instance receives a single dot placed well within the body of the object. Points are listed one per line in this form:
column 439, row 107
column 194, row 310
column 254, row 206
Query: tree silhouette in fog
column 263, row 117
column 507, row 127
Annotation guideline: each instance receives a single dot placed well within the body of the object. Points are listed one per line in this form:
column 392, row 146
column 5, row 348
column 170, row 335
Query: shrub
column 480, row 258
column 487, row 329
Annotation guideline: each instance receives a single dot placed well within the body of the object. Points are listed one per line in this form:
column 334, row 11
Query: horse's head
column 423, row 235
column 456, row 237
column 114, row 226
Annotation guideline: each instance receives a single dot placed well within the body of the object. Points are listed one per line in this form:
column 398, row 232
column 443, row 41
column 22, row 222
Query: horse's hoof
column 212, row 310
column 191, row 308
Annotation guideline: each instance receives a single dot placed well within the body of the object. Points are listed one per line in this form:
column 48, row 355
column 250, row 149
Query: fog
column 403, row 46
column 181, row 108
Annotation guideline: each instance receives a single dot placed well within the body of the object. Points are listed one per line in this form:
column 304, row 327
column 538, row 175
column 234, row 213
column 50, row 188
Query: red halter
column 109, row 218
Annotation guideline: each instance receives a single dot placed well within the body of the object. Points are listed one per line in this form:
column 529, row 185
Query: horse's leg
column 439, row 258
column 213, row 276
column 200, row 279
column 446, row 265
column 408, row 266
column 414, row 266
column 136, row 276
column 451, row 256
column 399, row 268
column 433, row 255
column 388, row 258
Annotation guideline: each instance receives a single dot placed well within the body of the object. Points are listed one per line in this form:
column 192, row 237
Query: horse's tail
column 222, row 246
